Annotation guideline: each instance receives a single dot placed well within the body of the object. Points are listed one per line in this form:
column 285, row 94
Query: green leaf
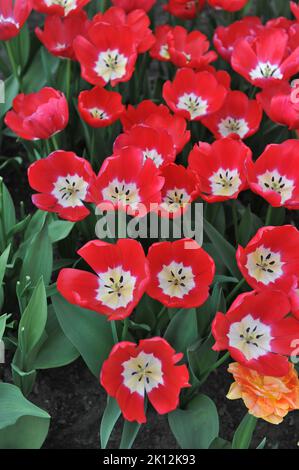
column 262, row 443
column 224, row 249
column 40, row 71
column 19, row 227
column 220, row 443
column 3, row 320
column 129, row 434
column 89, row 332
column 201, row 356
column 197, row 426
column 7, row 213
column 33, row 320
column 11, row 87
column 60, row 229
column 38, row 258
column 243, row 435
column 3, row 263
column 22, row 424
column 56, row 350
column 186, row 323
column 245, row 227
column 219, row 278
column 109, row 419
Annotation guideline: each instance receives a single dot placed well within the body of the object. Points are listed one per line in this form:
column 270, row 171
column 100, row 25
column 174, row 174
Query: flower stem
column 269, row 215
column 219, row 363
column 114, row 331
column 54, row 142
column 68, row 75
column 235, row 291
column 125, row 329
column 235, row 220
column 14, row 66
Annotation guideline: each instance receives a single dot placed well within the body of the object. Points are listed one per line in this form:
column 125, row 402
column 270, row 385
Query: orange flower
column 269, row 398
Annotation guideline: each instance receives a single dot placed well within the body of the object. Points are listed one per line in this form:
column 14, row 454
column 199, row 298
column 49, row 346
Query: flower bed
column 148, row 211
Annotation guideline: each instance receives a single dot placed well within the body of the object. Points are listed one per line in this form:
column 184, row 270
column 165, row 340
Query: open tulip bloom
column 258, row 332
column 149, row 190
column 119, row 281
column 13, row 15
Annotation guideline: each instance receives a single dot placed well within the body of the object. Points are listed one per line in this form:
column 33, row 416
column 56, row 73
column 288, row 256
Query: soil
column 75, row 400
column 76, row 403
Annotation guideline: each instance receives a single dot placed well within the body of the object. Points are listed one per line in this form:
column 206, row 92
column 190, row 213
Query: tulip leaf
column 22, row 424
column 197, row 426
column 224, row 249
column 56, row 350
column 59, row 230
column 33, row 320
column 89, row 332
column 243, row 435
column 185, row 322
column 129, row 434
column 38, row 258
column 111, row 414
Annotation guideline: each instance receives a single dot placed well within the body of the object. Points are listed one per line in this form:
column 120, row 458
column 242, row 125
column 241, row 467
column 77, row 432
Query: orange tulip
column 269, row 398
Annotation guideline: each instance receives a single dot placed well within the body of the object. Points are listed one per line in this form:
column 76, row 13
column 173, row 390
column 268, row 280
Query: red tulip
column 59, row 7
column 38, row 115
column 257, row 332
column 13, row 15
column 59, row 33
column 180, row 273
column 63, row 181
column 118, row 283
column 149, row 368
column 99, row 107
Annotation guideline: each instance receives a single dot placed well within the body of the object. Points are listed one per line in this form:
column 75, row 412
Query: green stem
column 125, row 329
column 68, row 76
column 219, row 363
column 269, row 215
column 92, row 145
column 235, row 291
column 114, row 331
column 14, row 66
column 235, row 220
column 54, row 142
column 3, row 229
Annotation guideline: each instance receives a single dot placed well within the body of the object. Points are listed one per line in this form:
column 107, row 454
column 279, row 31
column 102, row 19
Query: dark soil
column 76, row 403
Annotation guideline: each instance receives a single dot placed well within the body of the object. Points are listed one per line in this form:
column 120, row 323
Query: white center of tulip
column 274, row 181
column 4, row 20
column 175, row 199
column 251, row 337
column 70, row 190
column 194, row 104
column 266, row 70
column 176, row 280
column 164, row 52
column 225, row 182
column 122, row 192
column 264, row 265
column 116, row 287
column 67, row 5
column 111, row 65
column 142, row 373
column 152, row 154
column 232, row 125
column 98, row 113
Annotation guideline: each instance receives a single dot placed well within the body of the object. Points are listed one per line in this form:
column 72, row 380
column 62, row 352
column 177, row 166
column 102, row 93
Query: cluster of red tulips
column 166, row 117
